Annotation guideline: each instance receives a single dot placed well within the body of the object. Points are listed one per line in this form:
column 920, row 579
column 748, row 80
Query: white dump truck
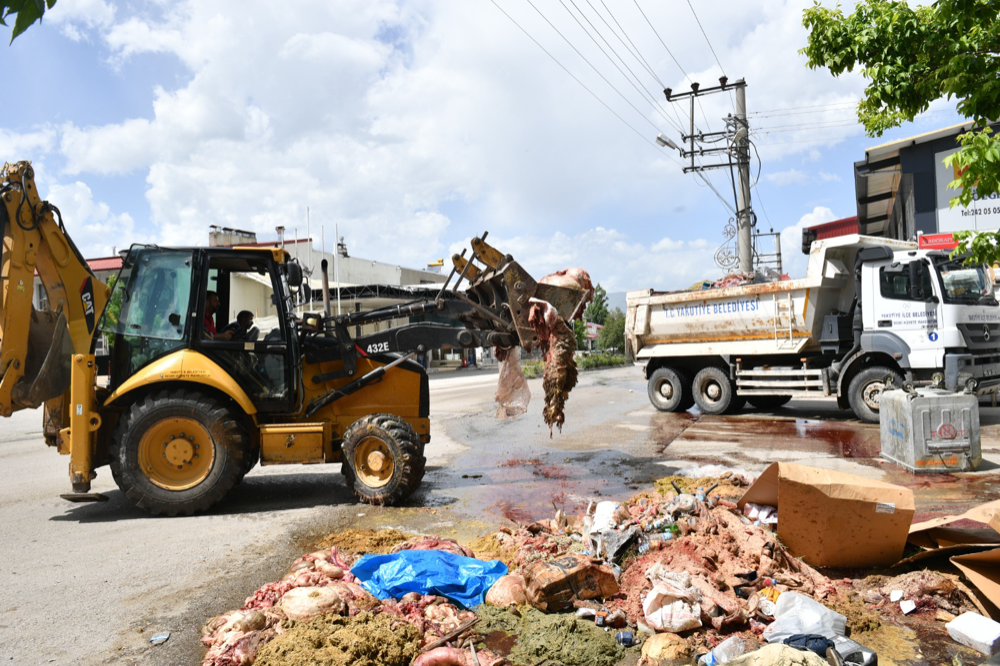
column 870, row 310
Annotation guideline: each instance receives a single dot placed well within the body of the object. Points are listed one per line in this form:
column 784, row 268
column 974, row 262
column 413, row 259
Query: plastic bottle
column 724, row 652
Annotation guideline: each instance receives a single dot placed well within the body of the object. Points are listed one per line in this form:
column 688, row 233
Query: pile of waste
column 688, row 572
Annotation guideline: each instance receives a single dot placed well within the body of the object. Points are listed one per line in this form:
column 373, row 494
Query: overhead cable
column 582, row 84
column 641, row 91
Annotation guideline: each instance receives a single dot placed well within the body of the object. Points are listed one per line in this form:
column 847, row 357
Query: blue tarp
column 462, row 580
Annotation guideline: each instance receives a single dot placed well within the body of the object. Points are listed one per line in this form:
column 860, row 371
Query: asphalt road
column 90, row 584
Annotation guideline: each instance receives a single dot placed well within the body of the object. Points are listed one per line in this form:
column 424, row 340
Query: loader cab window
column 147, row 315
column 253, row 341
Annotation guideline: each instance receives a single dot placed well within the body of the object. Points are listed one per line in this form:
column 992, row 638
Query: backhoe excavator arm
column 44, row 353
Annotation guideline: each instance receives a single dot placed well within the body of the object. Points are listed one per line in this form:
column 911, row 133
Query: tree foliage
column 580, row 330
column 912, row 56
column 25, row 12
column 597, row 311
column 112, row 311
column 612, row 336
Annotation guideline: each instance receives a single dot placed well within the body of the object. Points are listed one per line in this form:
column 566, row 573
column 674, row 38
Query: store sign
column 937, row 242
column 980, row 215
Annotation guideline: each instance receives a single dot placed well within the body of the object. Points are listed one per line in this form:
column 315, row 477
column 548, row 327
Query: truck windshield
column 965, row 284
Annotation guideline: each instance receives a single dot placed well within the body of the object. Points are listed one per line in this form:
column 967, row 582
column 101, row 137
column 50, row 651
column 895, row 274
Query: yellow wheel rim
column 373, row 462
column 176, row 453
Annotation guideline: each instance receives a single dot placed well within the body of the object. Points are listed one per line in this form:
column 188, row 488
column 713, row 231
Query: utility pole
column 734, row 142
column 741, row 143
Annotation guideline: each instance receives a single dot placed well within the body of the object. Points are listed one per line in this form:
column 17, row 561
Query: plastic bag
column 513, row 394
column 796, row 613
column 673, row 604
column 461, row 580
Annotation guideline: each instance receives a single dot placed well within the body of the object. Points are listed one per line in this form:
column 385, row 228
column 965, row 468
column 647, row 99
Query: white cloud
column 97, row 231
column 829, row 177
column 76, row 19
column 416, row 122
column 789, row 177
column 793, row 260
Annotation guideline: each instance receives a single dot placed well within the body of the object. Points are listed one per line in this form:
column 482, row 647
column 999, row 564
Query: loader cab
column 160, row 306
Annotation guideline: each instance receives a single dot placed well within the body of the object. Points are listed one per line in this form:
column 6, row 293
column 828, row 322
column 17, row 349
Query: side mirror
column 293, row 273
column 917, row 273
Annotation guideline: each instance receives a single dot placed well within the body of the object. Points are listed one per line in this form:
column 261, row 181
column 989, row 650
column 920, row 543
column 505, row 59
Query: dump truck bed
column 783, row 317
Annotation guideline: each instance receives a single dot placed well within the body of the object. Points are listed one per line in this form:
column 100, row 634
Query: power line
column 642, row 91
column 582, row 84
column 711, row 48
column 661, row 39
column 813, row 106
column 706, row 37
column 635, row 54
column 627, row 101
column 708, row 125
column 603, row 103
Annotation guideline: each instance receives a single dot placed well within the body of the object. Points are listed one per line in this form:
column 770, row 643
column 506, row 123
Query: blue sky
column 416, row 125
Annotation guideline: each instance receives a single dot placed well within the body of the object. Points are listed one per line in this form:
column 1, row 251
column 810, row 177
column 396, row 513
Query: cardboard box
column 833, row 519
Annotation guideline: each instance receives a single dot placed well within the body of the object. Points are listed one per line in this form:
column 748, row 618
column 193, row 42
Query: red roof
column 848, row 225
column 105, row 264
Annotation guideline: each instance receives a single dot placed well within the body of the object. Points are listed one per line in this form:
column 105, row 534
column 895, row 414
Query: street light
column 666, row 143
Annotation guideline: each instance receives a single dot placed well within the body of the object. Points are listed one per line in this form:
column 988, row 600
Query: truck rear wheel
column 178, row 452
column 713, row 391
column 669, row 390
column 865, row 391
column 383, row 459
column 769, row 401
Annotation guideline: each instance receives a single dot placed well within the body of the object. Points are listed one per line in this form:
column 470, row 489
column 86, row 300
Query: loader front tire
column 178, row 452
column 383, row 459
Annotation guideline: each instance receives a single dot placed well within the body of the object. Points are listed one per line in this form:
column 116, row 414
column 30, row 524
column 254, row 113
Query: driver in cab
column 211, row 307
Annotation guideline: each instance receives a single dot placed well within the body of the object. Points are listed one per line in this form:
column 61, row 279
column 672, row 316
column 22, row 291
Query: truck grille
column 981, row 336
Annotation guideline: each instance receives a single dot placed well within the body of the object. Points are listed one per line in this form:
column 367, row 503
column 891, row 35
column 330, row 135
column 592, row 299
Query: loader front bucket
column 47, row 362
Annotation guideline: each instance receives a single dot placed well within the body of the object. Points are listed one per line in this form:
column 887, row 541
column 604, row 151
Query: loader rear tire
column 669, row 390
column 383, row 459
column 178, row 452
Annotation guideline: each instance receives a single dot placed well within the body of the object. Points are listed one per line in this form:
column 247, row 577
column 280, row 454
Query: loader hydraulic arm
column 492, row 311
column 37, row 347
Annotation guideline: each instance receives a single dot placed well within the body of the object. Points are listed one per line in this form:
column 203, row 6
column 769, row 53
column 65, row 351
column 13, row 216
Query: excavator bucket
column 504, row 285
column 47, row 362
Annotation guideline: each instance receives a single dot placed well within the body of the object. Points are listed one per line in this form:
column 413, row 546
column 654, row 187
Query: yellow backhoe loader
column 188, row 408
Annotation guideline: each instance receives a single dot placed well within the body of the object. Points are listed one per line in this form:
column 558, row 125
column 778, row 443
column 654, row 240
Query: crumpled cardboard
column 982, row 569
column 834, row 519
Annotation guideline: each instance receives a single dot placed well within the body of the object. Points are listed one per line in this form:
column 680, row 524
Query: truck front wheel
column 865, row 391
column 713, row 392
column 669, row 390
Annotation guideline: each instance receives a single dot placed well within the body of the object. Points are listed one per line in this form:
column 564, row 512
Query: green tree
column 580, row 329
column 25, row 13
column 912, row 56
column 612, row 336
column 597, row 311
